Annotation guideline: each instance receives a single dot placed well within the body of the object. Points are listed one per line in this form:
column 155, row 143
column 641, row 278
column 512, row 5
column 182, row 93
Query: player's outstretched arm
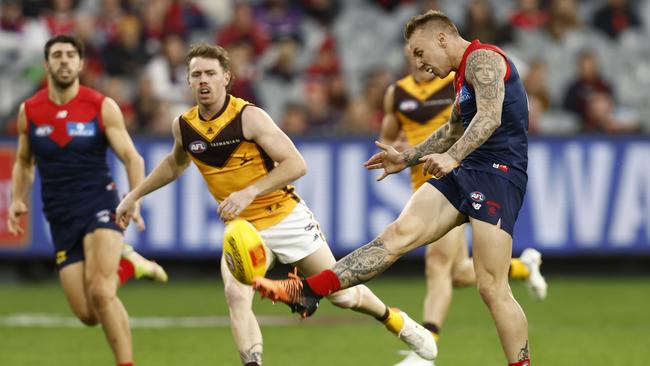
column 260, row 128
column 485, row 71
column 22, row 176
column 166, row 172
column 121, row 143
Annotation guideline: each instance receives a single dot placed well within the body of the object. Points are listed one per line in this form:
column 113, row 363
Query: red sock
column 125, row 271
column 324, row 283
column 525, row 362
column 125, row 364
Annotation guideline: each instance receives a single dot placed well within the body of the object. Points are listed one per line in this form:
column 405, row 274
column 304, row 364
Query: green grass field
column 584, row 321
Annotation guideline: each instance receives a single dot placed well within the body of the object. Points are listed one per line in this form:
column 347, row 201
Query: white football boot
column 536, row 283
column 412, row 359
column 418, row 338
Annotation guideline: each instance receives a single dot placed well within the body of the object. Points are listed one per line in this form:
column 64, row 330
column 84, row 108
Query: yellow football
column 244, row 251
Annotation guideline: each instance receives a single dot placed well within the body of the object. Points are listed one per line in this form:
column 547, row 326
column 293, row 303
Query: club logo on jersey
column 198, row 147
column 477, row 196
column 80, row 129
column 408, row 105
column 43, row 131
column 61, row 114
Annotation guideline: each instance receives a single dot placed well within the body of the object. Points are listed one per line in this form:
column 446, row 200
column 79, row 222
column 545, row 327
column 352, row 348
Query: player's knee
column 491, row 289
column 437, row 264
column 88, row 319
column 349, row 298
column 399, row 237
column 238, row 296
column 100, row 293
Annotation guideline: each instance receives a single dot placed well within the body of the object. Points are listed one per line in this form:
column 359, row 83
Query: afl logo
column 477, row 196
column 408, row 105
column 198, row 147
column 43, row 131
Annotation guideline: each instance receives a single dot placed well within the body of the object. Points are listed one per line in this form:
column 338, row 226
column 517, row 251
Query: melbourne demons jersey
column 506, row 151
column 69, row 146
column 230, row 163
column 421, row 108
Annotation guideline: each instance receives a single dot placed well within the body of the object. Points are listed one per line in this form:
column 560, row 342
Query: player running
column 248, row 164
column 478, row 160
column 65, row 130
column 415, row 107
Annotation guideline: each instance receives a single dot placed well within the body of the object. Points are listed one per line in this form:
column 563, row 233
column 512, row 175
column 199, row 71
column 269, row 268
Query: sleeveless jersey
column 70, row 146
column 505, row 152
column 421, row 108
column 229, row 162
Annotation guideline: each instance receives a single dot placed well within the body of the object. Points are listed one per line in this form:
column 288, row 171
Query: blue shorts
column 483, row 196
column 68, row 235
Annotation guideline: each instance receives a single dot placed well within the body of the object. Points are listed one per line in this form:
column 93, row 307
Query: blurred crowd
column 321, row 67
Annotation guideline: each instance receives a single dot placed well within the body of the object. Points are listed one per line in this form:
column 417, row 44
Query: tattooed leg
column 252, row 355
column 523, row 353
column 364, row 263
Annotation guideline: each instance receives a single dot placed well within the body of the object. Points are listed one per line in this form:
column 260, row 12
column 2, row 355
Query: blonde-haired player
column 415, row 107
column 248, row 164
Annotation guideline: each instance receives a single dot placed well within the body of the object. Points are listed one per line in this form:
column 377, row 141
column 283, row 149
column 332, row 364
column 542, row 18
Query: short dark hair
column 431, row 16
column 216, row 52
column 64, row 38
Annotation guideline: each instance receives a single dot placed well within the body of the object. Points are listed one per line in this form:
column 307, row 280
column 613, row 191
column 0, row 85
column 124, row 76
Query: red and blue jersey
column 70, row 146
column 506, row 151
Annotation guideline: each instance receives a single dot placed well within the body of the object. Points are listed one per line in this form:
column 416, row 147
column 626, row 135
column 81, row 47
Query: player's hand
column 137, row 217
column 17, row 209
column 438, row 165
column 388, row 159
column 126, row 211
column 234, row 204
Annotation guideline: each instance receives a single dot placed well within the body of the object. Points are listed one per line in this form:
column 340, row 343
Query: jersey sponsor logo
column 198, row 146
column 80, row 129
column 501, row 167
column 408, row 105
column 61, row 114
column 464, row 94
column 43, row 130
column 477, row 196
column 225, row 142
column 437, row 102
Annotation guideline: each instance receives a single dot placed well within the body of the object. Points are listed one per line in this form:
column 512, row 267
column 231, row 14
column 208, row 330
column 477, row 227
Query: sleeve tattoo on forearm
column 485, row 71
column 438, row 142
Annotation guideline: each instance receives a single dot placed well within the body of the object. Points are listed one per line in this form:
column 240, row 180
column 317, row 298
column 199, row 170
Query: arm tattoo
column 363, row 264
column 438, row 142
column 253, row 354
column 523, row 353
column 485, row 70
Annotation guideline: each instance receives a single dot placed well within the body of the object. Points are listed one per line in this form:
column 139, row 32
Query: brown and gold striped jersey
column 230, row 163
column 421, row 108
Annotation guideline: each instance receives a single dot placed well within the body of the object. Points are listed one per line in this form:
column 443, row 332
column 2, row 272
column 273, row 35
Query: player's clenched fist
column 127, row 210
column 17, row 209
column 438, row 165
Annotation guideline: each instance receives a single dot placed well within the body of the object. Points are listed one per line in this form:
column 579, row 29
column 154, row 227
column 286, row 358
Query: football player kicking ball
column 478, row 160
column 248, row 164
column 65, row 130
column 415, row 107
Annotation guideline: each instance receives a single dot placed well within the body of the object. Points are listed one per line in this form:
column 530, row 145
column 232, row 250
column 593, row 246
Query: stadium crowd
column 320, row 67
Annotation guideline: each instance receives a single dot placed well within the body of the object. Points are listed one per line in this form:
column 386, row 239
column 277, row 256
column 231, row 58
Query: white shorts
column 294, row 238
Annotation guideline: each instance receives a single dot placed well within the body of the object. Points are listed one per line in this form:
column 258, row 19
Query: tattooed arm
column 441, row 140
column 485, row 71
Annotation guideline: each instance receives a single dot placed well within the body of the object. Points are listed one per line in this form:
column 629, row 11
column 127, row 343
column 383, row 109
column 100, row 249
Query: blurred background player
column 478, row 159
column 65, row 130
column 248, row 164
column 415, row 107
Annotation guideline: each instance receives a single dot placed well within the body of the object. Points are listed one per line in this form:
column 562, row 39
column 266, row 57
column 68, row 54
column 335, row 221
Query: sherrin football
column 244, row 251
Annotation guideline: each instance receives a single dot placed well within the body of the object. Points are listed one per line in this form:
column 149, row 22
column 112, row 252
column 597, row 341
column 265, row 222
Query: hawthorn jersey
column 230, row 163
column 421, row 108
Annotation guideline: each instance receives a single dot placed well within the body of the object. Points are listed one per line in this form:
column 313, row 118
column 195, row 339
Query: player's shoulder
column 38, row 98
column 90, row 95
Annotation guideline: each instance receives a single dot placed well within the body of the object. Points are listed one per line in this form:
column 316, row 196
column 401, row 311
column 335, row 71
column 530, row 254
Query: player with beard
column 65, row 131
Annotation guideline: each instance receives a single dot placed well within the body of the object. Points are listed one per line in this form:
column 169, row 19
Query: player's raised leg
column 245, row 329
column 492, row 250
column 74, row 287
column 102, row 249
